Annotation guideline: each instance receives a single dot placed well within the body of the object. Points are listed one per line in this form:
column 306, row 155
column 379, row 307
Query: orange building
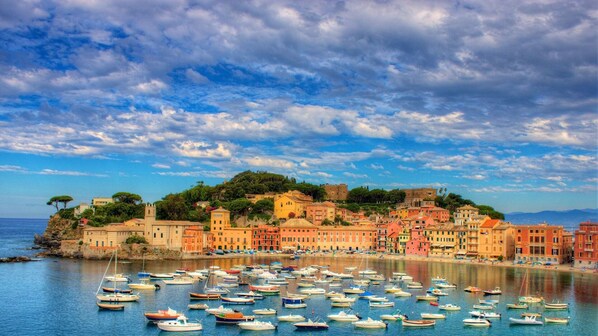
column 347, row 238
column 586, row 245
column 266, row 238
column 298, row 234
column 318, row 212
column 539, row 243
column 195, row 240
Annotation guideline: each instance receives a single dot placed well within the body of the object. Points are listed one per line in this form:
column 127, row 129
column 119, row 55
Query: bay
column 57, row 297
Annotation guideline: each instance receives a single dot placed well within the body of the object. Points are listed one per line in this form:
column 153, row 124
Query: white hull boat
column 476, row 322
column 344, row 317
column 179, row 325
column 370, row 324
column 430, row 316
column 381, row 304
column 528, row 320
column 291, row 318
column 256, row 325
column 449, row 307
column 265, row 311
column 485, row 315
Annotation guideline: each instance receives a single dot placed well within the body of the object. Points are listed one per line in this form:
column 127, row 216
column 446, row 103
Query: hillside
column 570, row 219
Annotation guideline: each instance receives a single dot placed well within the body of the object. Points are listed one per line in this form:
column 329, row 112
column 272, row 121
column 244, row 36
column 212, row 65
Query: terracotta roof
column 489, row 224
column 467, row 207
column 297, row 223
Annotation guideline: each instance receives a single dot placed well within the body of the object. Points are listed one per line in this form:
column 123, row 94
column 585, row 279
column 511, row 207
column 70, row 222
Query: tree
column 64, row 199
column 239, row 206
column 263, row 206
column 327, row 222
column 126, row 197
column 377, row 195
column 395, row 196
column 489, row 211
column 358, row 195
column 172, row 207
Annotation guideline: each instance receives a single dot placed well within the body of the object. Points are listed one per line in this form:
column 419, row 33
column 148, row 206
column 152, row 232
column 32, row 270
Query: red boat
column 233, row 318
column 263, row 287
column 434, row 303
column 205, row 296
column 163, row 315
column 233, row 271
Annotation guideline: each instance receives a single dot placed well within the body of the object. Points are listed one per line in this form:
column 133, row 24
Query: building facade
column 540, row 243
column 336, row 192
column 291, row 204
column 318, row 212
column 298, row 234
column 585, row 252
column 266, row 238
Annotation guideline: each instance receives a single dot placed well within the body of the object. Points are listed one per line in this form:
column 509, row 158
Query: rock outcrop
column 58, row 229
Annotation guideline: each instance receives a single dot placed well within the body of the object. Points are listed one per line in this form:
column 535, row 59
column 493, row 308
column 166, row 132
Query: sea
column 56, row 296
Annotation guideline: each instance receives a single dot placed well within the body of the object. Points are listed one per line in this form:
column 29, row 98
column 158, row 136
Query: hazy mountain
column 570, row 219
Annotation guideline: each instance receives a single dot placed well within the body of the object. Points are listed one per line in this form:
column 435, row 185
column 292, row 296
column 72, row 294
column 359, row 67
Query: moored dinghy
column 110, row 306
column 311, row 325
column 162, row 315
column 418, row 323
column 528, row 320
column 344, row 317
column 291, row 318
column 560, row 320
column 449, row 307
column 265, row 311
column 431, row 316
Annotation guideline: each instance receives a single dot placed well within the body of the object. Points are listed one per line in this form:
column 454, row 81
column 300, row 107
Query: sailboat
column 143, row 273
column 114, row 296
column 214, row 289
column 527, row 298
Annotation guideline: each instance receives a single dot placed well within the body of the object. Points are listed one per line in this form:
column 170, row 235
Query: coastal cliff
column 58, row 230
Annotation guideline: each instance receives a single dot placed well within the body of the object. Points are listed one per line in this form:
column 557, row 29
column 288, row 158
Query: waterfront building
column 196, row 240
column 586, row 245
column 541, row 243
column 496, row 240
column 382, row 233
column 159, row 233
column 291, row 204
column 298, row 234
column 266, row 238
column 418, row 245
column 443, row 240
column 227, row 237
column 336, row 192
column 347, row 238
column 318, row 212
column 568, row 247
column 101, row 201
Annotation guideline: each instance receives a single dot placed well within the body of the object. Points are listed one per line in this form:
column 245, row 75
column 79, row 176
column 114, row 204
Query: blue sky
column 494, row 100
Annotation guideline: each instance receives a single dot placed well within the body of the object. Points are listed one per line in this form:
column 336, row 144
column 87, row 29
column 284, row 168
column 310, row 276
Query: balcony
column 589, row 249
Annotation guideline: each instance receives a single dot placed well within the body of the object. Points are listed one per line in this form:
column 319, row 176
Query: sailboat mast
column 105, row 272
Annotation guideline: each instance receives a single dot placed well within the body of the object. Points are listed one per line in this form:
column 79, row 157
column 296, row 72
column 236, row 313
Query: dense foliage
column 453, row 201
column 135, row 239
column 375, row 196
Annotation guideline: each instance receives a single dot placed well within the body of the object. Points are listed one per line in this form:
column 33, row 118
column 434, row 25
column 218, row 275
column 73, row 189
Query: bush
column 135, row 239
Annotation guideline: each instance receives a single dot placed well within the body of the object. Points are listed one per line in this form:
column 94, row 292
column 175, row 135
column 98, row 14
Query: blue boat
column 365, row 294
column 288, row 300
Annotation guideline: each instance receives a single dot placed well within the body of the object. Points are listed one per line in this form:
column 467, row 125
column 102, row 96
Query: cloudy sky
column 494, row 100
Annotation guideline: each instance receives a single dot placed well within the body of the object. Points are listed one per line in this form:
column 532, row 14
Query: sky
column 493, row 100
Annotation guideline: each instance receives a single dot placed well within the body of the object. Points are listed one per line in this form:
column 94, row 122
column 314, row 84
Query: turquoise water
column 57, row 297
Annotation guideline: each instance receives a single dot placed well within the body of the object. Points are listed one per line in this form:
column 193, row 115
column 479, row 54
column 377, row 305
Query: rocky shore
column 17, row 259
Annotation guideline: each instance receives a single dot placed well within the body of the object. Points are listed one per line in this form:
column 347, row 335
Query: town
column 417, row 227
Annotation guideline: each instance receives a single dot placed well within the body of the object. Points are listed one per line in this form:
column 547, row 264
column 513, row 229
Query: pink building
column 418, row 245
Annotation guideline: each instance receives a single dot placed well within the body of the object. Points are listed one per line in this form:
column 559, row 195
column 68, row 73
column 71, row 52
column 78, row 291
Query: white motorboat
column 344, row 317
column 199, row 306
column 381, row 304
column 334, row 294
column 313, row 291
column 265, row 311
column 297, row 296
column 488, row 302
column 483, row 307
column 370, row 324
column 530, row 299
column 418, row 323
column 250, row 294
column 237, row 300
column 415, row 285
column 367, row 272
column 311, row 325
column 438, row 292
column 179, row 325
column 144, row 284
column 402, row 293
column 116, row 278
column 495, row 291
column 481, row 314
column 345, row 276
column 438, row 279
column 291, row 318
column 392, row 289
column 375, row 298
column 179, row 281
column 256, row 325
column 305, row 284
column 446, row 285
column 341, row 304
column 556, row 306
column 294, row 305
column 477, row 322
column 426, row 297
column 431, row 316
column 219, row 310
column 528, row 320
column 449, row 307
column 354, row 290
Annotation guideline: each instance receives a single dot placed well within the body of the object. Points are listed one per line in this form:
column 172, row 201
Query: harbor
column 65, row 287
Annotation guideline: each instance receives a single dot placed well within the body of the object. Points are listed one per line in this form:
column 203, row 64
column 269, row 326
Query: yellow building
column 402, row 212
column 291, row 204
column 100, row 201
column 443, row 240
column 227, row 237
column 496, row 240
column 348, row 238
column 110, row 236
column 465, row 214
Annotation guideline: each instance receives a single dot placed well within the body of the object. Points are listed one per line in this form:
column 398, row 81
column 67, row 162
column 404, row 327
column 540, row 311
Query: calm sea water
column 57, row 296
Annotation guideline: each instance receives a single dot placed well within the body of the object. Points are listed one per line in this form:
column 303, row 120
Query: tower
column 150, row 220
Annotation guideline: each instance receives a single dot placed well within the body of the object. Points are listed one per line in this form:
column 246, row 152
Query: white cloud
column 203, row 150
column 269, row 162
column 161, row 166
